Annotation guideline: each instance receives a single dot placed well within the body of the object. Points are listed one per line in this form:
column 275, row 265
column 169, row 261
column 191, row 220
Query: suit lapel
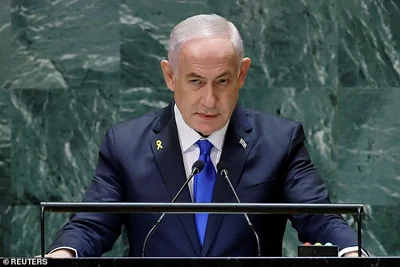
column 234, row 154
column 167, row 153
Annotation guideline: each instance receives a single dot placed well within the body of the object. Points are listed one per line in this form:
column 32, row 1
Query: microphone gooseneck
column 196, row 168
column 223, row 170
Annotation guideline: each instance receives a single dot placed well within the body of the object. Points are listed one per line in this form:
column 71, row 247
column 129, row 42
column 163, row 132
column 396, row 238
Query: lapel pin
column 243, row 143
column 159, row 144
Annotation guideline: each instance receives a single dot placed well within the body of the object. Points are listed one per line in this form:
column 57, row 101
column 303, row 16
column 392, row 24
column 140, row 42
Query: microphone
column 196, row 168
column 223, row 170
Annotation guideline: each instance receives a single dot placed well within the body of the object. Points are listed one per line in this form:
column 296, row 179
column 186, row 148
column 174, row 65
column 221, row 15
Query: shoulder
column 137, row 127
column 266, row 123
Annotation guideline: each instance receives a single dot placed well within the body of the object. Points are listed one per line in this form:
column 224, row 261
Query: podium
column 238, row 208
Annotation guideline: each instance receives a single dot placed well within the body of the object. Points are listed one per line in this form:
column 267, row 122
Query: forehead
column 207, row 54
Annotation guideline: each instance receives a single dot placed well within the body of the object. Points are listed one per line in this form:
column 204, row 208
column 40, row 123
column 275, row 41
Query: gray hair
column 199, row 27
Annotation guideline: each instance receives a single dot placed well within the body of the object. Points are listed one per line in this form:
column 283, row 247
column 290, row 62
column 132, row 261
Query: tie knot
column 205, row 147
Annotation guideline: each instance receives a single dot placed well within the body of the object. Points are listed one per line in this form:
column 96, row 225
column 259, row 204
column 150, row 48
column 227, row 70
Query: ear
column 244, row 68
column 168, row 74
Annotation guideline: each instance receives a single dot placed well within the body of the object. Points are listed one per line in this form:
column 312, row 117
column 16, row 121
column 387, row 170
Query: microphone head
column 222, row 167
column 197, row 166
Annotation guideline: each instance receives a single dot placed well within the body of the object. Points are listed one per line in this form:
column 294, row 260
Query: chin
column 208, row 127
column 207, row 130
column 203, row 131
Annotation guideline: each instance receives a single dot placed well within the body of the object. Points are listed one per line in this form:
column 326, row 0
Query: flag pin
column 243, row 143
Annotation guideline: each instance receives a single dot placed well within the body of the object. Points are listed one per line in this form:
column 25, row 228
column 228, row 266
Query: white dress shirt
column 190, row 150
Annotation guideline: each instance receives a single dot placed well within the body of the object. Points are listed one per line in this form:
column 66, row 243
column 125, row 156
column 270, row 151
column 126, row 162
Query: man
column 147, row 159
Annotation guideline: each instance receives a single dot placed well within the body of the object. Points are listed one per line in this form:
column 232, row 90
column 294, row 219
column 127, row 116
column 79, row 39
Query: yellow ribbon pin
column 159, row 144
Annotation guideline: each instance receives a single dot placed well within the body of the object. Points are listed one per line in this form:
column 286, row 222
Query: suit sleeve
column 303, row 185
column 93, row 234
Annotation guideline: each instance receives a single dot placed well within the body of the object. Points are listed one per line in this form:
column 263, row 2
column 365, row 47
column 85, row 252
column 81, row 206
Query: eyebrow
column 195, row 75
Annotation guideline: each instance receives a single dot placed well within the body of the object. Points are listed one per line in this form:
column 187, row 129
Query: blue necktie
column 204, row 185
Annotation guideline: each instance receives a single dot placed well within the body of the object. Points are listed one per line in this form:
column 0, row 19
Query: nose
column 209, row 98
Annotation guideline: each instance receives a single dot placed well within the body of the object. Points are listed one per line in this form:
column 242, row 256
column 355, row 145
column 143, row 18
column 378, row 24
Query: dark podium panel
column 212, row 262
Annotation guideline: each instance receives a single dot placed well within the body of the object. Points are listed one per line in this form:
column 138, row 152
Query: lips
column 206, row 116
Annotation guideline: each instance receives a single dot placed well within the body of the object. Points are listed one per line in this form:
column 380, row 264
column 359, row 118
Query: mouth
column 206, row 116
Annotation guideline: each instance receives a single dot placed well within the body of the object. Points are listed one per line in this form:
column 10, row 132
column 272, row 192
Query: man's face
column 207, row 88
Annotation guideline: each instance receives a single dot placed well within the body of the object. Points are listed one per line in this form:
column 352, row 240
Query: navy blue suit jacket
column 275, row 167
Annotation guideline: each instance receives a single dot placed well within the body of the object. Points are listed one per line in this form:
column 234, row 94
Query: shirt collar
column 188, row 136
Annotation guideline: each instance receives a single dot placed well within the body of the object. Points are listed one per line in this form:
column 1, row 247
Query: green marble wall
column 69, row 69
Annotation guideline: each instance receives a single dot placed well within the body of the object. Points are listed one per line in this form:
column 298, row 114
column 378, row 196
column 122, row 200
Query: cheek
column 189, row 101
column 228, row 101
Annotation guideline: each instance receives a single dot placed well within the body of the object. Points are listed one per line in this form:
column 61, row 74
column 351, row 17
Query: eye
column 195, row 81
column 223, row 81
